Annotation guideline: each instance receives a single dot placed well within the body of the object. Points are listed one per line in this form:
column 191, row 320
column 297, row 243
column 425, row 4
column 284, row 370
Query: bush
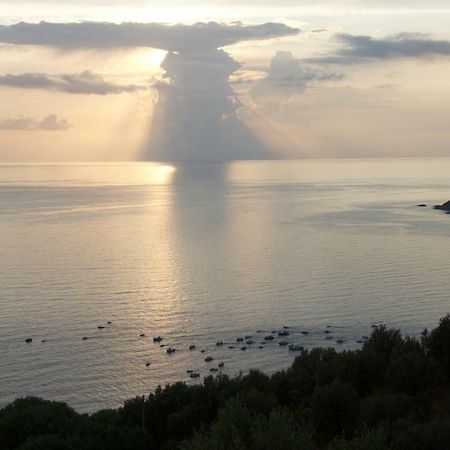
column 437, row 343
column 334, row 410
column 238, row 429
column 31, row 416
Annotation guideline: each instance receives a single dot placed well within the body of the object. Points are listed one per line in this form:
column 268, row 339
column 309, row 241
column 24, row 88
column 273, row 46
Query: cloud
column 385, row 4
column 48, row 123
column 195, row 118
column 356, row 49
column 103, row 35
column 83, row 83
column 287, row 77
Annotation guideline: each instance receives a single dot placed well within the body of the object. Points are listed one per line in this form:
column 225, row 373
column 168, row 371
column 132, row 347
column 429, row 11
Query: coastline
column 391, row 394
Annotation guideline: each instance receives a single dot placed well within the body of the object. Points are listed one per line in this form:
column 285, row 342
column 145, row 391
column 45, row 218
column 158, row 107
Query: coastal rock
column 444, row 207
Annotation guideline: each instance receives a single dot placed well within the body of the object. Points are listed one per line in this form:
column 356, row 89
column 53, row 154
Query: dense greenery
column 394, row 394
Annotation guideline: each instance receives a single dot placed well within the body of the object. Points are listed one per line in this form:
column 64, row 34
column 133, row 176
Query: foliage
column 392, row 394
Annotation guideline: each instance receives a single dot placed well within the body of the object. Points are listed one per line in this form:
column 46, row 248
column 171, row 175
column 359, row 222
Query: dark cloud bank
column 103, row 35
column 357, row 49
column 83, row 83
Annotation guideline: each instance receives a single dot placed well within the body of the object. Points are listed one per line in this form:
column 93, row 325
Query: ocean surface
column 205, row 253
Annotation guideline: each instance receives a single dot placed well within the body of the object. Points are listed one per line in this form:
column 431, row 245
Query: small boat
column 101, row 327
column 295, row 348
column 171, row 350
column 231, row 346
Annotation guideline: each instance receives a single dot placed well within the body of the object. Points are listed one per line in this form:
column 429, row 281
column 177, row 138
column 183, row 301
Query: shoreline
column 324, row 400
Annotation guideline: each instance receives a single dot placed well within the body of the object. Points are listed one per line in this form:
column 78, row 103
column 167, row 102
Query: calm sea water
column 202, row 253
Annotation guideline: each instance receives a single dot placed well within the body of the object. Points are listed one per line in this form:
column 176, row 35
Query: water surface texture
column 204, row 253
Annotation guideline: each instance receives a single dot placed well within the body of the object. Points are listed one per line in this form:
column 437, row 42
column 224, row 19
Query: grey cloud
column 103, row 35
column 358, row 49
column 288, row 77
column 195, row 118
column 48, row 123
column 83, row 83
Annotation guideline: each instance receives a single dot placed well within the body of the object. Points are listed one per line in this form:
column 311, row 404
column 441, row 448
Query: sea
column 204, row 254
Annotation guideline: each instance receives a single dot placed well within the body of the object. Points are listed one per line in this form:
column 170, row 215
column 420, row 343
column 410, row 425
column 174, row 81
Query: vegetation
column 393, row 394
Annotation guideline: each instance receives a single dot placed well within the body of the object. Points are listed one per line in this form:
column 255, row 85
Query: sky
column 221, row 80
